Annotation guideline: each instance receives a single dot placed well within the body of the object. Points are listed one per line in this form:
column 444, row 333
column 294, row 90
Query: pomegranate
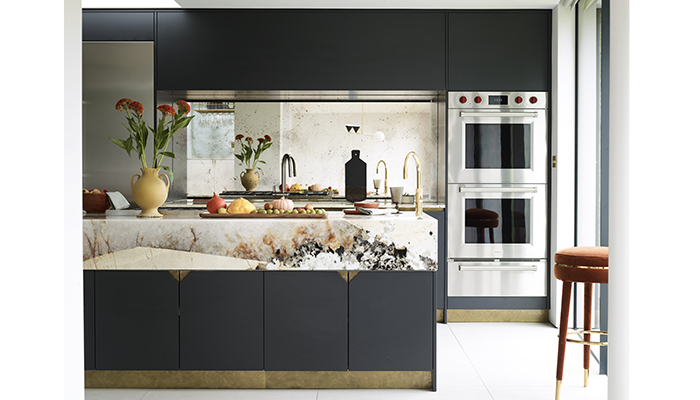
column 215, row 203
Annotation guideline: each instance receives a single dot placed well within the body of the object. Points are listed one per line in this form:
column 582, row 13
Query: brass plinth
column 259, row 379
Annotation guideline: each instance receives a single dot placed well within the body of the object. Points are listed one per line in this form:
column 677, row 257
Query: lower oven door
column 494, row 278
column 496, row 221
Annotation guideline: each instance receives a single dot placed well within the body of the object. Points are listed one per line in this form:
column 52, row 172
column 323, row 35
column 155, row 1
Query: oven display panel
column 498, row 146
column 498, row 100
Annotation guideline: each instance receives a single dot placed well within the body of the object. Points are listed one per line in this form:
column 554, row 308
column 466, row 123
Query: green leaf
column 170, row 173
column 168, row 154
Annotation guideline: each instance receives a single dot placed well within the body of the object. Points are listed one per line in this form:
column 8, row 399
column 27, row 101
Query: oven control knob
column 477, row 99
column 533, row 100
column 518, row 100
column 463, row 99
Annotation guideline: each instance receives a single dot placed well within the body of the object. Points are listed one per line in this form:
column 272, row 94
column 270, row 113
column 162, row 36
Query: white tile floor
column 476, row 361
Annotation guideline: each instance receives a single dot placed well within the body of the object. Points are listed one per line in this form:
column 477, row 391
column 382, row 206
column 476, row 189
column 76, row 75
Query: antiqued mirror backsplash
column 316, row 136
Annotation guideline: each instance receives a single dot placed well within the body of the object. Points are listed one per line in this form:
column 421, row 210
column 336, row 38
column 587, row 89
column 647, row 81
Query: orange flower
column 137, row 107
column 239, row 137
column 249, row 139
column 268, row 138
column 123, row 103
column 261, row 140
column 182, row 104
column 166, row 109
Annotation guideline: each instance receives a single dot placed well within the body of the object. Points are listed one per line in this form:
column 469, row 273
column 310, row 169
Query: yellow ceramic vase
column 150, row 191
column 250, row 179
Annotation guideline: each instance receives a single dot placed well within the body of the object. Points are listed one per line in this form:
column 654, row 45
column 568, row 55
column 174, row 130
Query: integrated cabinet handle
column 527, row 268
column 497, row 190
column 499, row 114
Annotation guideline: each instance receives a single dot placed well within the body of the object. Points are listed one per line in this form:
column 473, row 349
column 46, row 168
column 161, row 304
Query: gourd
column 282, row 204
column 240, row 206
column 296, row 188
column 315, row 187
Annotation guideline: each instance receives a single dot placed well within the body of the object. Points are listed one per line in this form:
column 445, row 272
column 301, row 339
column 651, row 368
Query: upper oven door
column 497, row 221
column 497, row 146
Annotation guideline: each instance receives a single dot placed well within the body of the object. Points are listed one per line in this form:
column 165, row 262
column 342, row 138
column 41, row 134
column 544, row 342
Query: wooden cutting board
column 308, row 216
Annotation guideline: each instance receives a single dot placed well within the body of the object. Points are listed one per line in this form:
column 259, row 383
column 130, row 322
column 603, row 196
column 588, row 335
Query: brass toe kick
column 260, row 379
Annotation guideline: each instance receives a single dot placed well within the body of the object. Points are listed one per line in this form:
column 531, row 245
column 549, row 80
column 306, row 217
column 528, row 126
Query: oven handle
column 500, row 114
column 498, row 190
column 527, row 268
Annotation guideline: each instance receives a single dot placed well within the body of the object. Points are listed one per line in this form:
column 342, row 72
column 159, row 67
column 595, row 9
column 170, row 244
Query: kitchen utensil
column 396, row 196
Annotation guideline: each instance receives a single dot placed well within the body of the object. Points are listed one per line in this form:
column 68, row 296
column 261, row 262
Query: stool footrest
column 586, row 342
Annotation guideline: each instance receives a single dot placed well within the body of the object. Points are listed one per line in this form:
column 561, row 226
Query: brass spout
column 386, row 173
column 419, row 189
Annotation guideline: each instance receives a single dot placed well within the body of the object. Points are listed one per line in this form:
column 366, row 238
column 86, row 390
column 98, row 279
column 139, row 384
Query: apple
column 95, row 191
column 309, row 207
column 268, row 206
column 286, row 187
column 222, row 210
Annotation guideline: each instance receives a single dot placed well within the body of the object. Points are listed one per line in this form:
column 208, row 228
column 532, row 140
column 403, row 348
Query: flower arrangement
column 170, row 122
column 249, row 155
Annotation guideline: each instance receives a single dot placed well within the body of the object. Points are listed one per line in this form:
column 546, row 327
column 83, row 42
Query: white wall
column 41, row 295
column 654, row 274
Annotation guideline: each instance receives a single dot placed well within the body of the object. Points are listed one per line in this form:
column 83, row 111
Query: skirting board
column 259, row 379
column 497, row 315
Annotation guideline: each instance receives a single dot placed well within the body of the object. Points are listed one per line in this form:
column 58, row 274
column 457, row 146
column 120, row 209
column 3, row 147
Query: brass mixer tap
column 386, row 179
column 419, row 189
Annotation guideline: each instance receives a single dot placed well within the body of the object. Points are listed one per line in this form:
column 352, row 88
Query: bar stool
column 588, row 265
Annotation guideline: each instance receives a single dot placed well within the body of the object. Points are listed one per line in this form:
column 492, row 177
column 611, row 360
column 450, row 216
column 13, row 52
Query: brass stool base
column 556, row 396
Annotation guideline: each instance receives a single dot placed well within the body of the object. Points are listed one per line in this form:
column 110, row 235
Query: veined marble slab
column 181, row 240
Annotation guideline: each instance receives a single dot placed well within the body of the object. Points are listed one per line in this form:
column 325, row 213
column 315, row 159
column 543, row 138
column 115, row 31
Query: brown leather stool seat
column 588, row 265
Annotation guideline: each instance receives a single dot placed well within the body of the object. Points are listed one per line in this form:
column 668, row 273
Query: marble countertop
column 182, row 240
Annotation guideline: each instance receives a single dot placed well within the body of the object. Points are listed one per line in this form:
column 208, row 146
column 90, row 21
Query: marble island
column 259, row 302
column 182, row 240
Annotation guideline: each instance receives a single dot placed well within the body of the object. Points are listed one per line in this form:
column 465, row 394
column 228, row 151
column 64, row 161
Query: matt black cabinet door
column 118, row 25
column 441, row 274
column 300, row 50
column 221, row 320
column 136, row 321
column 306, row 321
column 500, row 50
column 391, row 321
column 89, row 318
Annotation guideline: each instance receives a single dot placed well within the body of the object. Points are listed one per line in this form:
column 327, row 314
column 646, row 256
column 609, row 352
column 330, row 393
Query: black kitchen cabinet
column 300, row 50
column 118, row 25
column 499, row 50
column 89, row 318
column 306, row 321
column 392, row 321
column 221, row 320
column 442, row 268
column 136, row 320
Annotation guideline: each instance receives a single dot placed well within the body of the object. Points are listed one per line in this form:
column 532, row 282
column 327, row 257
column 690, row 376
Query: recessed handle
column 497, row 190
column 496, row 268
column 499, row 114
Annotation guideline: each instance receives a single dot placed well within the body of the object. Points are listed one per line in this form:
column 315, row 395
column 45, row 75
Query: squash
column 240, row 206
column 282, row 204
column 315, row 187
column 296, row 188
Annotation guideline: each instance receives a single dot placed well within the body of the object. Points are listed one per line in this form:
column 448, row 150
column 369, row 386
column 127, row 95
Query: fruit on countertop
column 215, row 203
column 282, row 204
column 309, row 206
column 95, row 201
column 222, row 211
column 268, row 206
column 315, row 187
column 296, row 188
column 240, row 206
column 286, row 187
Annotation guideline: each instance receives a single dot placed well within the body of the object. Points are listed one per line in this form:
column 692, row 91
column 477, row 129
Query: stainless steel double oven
column 497, row 173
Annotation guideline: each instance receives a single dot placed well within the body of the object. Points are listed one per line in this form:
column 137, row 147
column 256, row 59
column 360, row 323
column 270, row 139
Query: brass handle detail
column 179, row 275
